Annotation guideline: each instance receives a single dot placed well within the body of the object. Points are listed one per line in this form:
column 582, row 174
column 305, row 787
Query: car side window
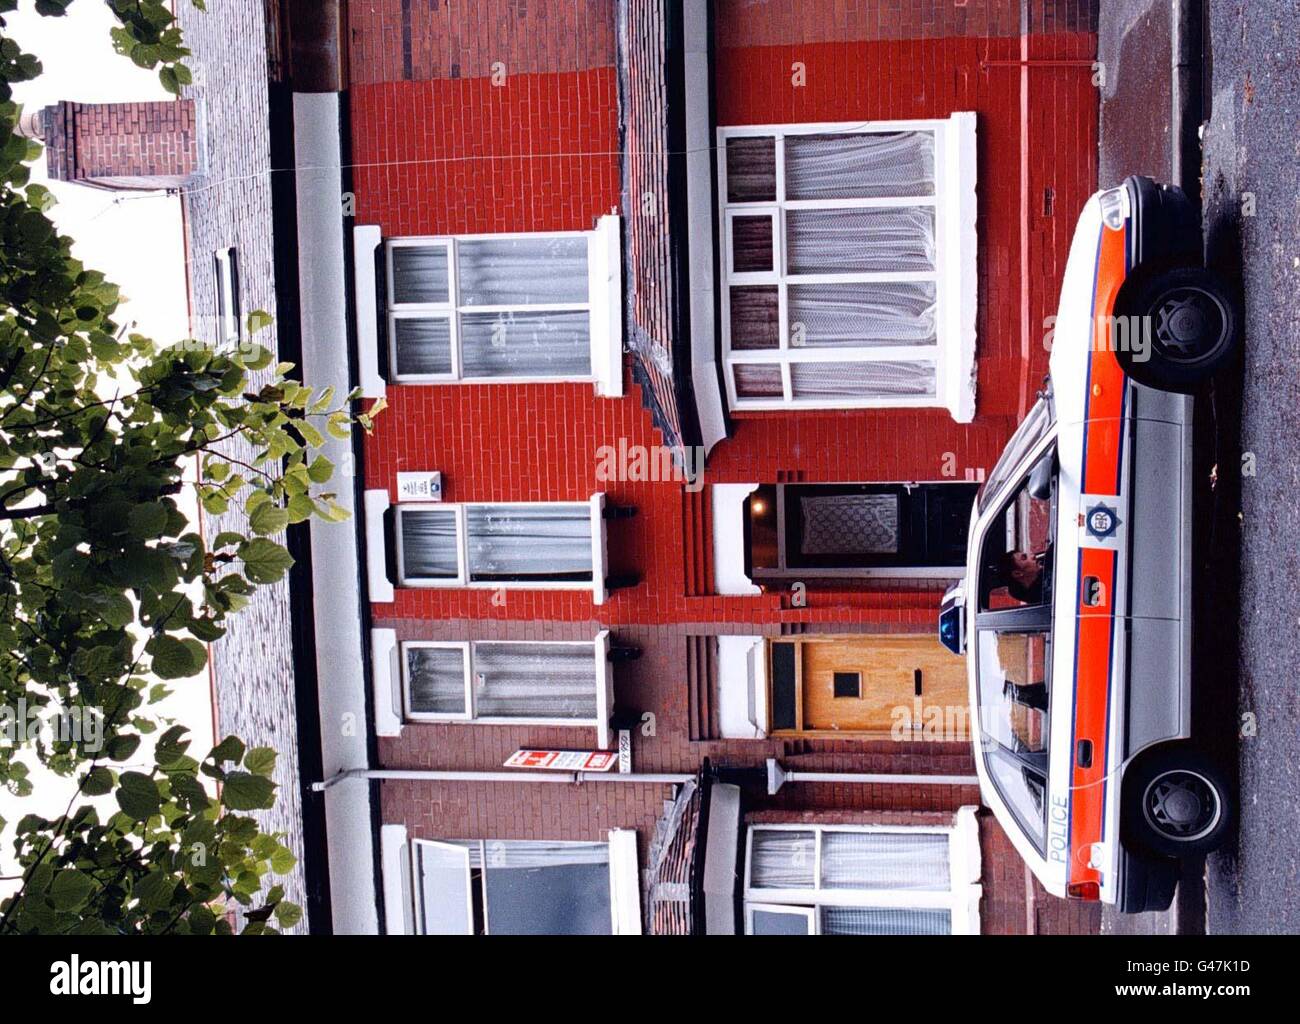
column 1016, row 560
column 1014, row 700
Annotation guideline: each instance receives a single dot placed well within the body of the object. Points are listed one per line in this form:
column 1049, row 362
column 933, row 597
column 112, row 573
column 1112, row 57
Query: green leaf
column 154, row 891
column 258, row 319
column 229, row 749
column 138, row 796
column 201, row 921
column 261, row 761
column 287, row 914
column 320, row 470
column 97, row 782
column 148, row 521
column 171, row 746
column 122, row 746
column 175, row 659
column 115, row 609
column 70, row 889
column 268, row 518
column 244, row 792
column 264, row 560
column 283, row 860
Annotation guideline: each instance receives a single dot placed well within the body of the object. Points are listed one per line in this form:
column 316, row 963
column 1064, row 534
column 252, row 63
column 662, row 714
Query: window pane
column 885, row 860
column 423, row 345
column 776, row 922
column 1023, row 789
column 871, row 165
column 1013, row 690
column 751, row 244
column 782, row 859
column 444, row 888
column 518, row 344
column 522, row 271
column 877, row 379
column 435, row 680
column 521, row 543
column 883, row 313
column 419, row 274
column 429, row 548
column 751, row 169
column 755, row 317
column 514, row 680
column 543, row 888
column 1017, row 561
column 885, row 921
column 758, row 380
column 860, row 241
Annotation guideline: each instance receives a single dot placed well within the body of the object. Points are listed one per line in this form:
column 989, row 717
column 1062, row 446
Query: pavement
column 1242, row 81
column 1252, row 220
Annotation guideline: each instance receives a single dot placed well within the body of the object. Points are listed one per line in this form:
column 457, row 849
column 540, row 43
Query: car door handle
column 1083, row 754
column 916, row 681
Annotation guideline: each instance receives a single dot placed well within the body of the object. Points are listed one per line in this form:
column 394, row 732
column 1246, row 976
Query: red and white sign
column 564, row 760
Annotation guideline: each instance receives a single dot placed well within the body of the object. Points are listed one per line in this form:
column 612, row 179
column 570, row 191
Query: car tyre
column 1192, row 326
column 1177, row 803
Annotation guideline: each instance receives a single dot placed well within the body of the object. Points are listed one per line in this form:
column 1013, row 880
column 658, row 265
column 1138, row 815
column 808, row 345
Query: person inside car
column 1023, row 576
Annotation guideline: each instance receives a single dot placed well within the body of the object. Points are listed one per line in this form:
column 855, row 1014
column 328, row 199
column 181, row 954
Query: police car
column 1075, row 613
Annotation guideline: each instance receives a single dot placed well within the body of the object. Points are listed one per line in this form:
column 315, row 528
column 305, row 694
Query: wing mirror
column 1042, row 476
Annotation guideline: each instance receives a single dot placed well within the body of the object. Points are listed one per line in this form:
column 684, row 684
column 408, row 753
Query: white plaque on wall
column 419, row 486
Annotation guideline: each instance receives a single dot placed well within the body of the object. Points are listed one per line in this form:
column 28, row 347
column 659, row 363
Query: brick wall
column 1014, row 903
column 122, row 145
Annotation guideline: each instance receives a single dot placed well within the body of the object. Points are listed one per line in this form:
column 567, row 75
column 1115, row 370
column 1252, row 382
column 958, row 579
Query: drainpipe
column 576, row 778
column 778, row 777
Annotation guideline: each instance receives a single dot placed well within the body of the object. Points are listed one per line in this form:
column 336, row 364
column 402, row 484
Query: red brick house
column 817, row 240
column 697, row 325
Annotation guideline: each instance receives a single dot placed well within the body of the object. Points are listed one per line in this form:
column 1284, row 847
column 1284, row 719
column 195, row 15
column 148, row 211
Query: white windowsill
column 624, row 882
column 365, row 240
column 605, row 291
column 386, row 675
column 395, row 868
column 380, row 586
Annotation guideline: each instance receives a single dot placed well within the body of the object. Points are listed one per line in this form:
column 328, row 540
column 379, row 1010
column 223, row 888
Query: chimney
column 132, row 146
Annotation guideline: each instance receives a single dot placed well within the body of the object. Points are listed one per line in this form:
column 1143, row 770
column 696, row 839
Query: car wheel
column 1177, row 804
column 1189, row 325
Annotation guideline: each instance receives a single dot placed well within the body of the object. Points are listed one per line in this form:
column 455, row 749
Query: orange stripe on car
column 1095, row 629
column 1105, row 376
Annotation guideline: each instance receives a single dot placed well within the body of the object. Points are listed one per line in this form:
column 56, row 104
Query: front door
column 848, row 530
column 903, row 687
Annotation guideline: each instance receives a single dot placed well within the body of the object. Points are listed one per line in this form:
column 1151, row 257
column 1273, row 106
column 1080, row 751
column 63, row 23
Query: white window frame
column 961, row 900
column 602, row 680
column 599, row 560
column 226, row 262
column 402, row 892
column 954, row 274
column 604, row 307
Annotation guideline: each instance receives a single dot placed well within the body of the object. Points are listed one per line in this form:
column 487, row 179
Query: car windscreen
column 1030, row 432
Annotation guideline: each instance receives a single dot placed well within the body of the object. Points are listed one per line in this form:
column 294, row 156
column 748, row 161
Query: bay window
column 848, row 264
column 863, row 880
